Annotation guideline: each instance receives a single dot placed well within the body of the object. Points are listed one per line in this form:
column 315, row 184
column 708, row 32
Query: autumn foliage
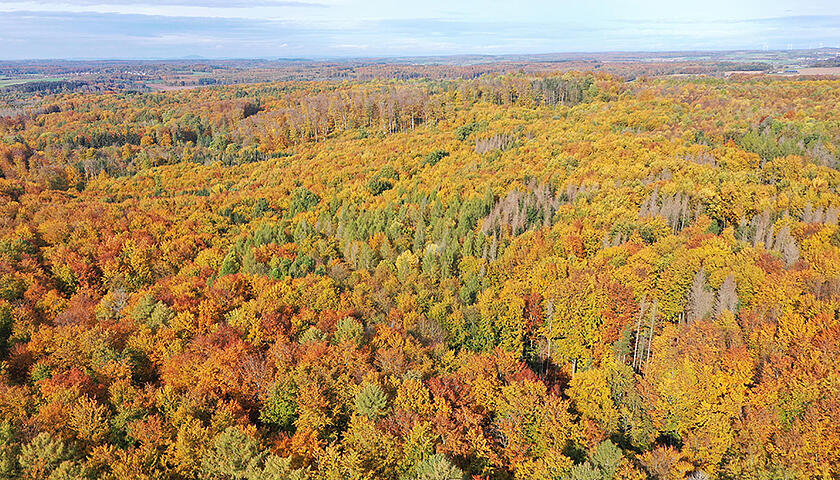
column 508, row 277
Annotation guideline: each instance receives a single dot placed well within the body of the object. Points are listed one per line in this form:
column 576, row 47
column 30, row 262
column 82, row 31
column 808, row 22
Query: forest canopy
column 517, row 276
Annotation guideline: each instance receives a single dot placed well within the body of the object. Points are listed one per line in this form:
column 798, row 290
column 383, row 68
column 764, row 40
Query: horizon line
column 408, row 57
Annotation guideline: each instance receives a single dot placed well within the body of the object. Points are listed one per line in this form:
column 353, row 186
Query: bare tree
column 522, row 210
column 831, row 215
column 762, row 229
column 786, row 244
column 674, row 209
column 496, row 142
column 727, row 298
column 642, row 308
column 700, row 299
column 820, row 214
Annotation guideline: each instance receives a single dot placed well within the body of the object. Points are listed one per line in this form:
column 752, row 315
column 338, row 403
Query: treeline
column 47, row 86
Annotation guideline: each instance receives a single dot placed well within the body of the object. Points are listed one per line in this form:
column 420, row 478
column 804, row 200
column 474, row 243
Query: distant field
column 8, row 81
column 832, row 71
column 817, row 71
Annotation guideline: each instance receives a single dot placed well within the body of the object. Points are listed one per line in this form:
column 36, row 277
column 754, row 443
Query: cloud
column 48, row 34
column 87, row 35
column 253, row 10
column 59, row 5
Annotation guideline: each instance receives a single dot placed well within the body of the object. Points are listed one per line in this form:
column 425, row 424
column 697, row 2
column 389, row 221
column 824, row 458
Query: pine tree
column 438, row 467
column 233, row 454
column 371, row 401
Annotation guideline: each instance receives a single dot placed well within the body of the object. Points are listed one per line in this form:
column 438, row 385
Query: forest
column 521, row 275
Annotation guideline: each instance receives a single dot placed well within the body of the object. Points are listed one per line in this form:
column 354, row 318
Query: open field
column 827, row 71
column 6, row 81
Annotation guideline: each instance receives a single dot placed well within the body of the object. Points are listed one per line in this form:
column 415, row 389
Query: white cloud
column 233, row 9
column 47, row 28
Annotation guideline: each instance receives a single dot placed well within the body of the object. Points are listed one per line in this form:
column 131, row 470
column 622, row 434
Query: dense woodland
column 567, row 276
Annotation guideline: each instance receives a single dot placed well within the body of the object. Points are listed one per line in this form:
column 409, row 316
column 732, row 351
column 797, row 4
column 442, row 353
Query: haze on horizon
column 95, row 29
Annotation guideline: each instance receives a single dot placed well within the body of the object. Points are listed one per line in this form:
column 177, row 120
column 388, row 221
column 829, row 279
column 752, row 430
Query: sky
column 154, row 29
